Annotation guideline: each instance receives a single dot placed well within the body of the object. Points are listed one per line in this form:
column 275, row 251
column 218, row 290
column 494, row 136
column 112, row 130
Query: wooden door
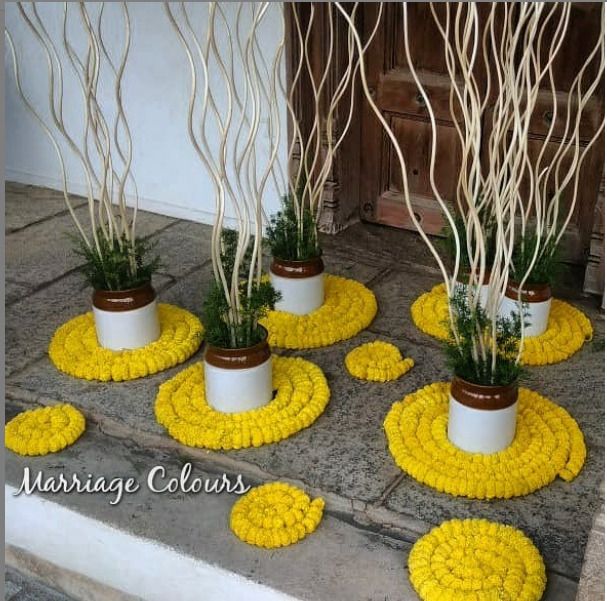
column 381, row 197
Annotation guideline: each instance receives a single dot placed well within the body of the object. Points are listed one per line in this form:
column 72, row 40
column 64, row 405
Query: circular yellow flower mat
column 74, row 348
column 465, row 560
column 568, row 327
column 377, row 361
column 275, row 515
column 548, row 443
column 44, row 430
column 302, row 393
column 349, row 307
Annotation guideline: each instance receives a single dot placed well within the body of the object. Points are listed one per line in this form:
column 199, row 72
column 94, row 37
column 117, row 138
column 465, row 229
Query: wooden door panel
column 381, row 196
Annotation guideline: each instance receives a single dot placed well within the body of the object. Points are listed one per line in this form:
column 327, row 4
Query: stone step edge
column 77, row 555
column 69, row 583
column 369, row 516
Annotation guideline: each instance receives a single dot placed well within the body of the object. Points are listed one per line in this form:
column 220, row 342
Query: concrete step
column 159, row 546
column 21, row 587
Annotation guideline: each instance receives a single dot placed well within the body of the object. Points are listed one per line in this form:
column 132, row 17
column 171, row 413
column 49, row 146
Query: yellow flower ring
column 377, row 362
column 44, row 430
column 465, row 560
column 74, row 348
column 302, row 395
column 568, row 328
column 275, row 515
column 349, row 307
column 548, row 443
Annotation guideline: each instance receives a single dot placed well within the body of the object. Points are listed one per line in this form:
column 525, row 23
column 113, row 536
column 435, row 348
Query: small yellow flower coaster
column 349, row 308
column 461, row 560
column 302, row 393
column 377, row 362
column 275, row 515
column 548, row 443
column 74, row 348
column 568, row 328
column 44, row 430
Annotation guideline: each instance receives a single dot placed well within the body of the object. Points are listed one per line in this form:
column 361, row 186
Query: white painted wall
column 170, row 178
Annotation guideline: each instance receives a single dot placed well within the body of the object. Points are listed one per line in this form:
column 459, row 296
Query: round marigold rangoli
column 74, row 348
column 302, row 393
column 548, row 443
column 275, row 515
column 568, row 328
column 44, row 430
column 348, row 309
column 465, row 560
column 377, row 361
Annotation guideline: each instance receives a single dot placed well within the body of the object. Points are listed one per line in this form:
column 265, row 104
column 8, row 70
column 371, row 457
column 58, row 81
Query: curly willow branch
column 98, row 167
column 233, row 100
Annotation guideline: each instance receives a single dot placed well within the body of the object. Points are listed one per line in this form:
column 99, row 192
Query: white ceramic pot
column 238, row 379
column 126, row 319
column 300, row 283
column 536, row 303
column 482, row 419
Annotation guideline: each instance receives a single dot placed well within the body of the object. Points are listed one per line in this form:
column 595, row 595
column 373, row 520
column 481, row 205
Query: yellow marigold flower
column 548, row 443
column 75, row 351
column 275, row 515
column 568, row 328
column 377, row 362
column 349, row 308
column 302, row 395
column 44, row 430
column 464, row 560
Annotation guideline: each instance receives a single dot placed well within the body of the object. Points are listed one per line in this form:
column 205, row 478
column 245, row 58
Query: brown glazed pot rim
column 124, row 300
column 485, row 397
column 530, row 293
column 238, row 358
column 297, row 269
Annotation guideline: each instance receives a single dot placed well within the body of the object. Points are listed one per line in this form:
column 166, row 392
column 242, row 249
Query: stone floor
column 342, row 457
column 18, row 587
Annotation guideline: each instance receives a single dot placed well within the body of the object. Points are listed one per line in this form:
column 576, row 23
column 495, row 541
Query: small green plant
column 489, row 233
column 474, row 329
column 119, row 264
column 546, row 268
column 289, row 239
column 221, row 329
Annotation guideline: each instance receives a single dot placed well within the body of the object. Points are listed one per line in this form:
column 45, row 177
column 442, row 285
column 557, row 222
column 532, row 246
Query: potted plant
column 124, row 302
column 535, row 264
column 230, row 132
column 117, row 264
column 237, row 357
column 484, row 390
column 296, row 270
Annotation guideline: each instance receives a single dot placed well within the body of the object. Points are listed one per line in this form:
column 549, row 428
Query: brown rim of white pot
column 124, row 300
column 297, row 269
column 530, row 293
column 487, row 398
column 466, row 275
column 239, row 358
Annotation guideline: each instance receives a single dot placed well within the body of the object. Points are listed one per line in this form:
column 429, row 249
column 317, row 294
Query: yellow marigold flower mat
column 74, row 348
column 568, row 327
column 44, row 430
column 465, row 560
column 377, row 361
column 302, row 393
column 349, row 308
column 548, row 443
column 275, row 515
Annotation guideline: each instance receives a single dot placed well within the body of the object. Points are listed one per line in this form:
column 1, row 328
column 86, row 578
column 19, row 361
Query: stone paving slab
column 18, row 587
column 25, row 205
column 339, row 561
